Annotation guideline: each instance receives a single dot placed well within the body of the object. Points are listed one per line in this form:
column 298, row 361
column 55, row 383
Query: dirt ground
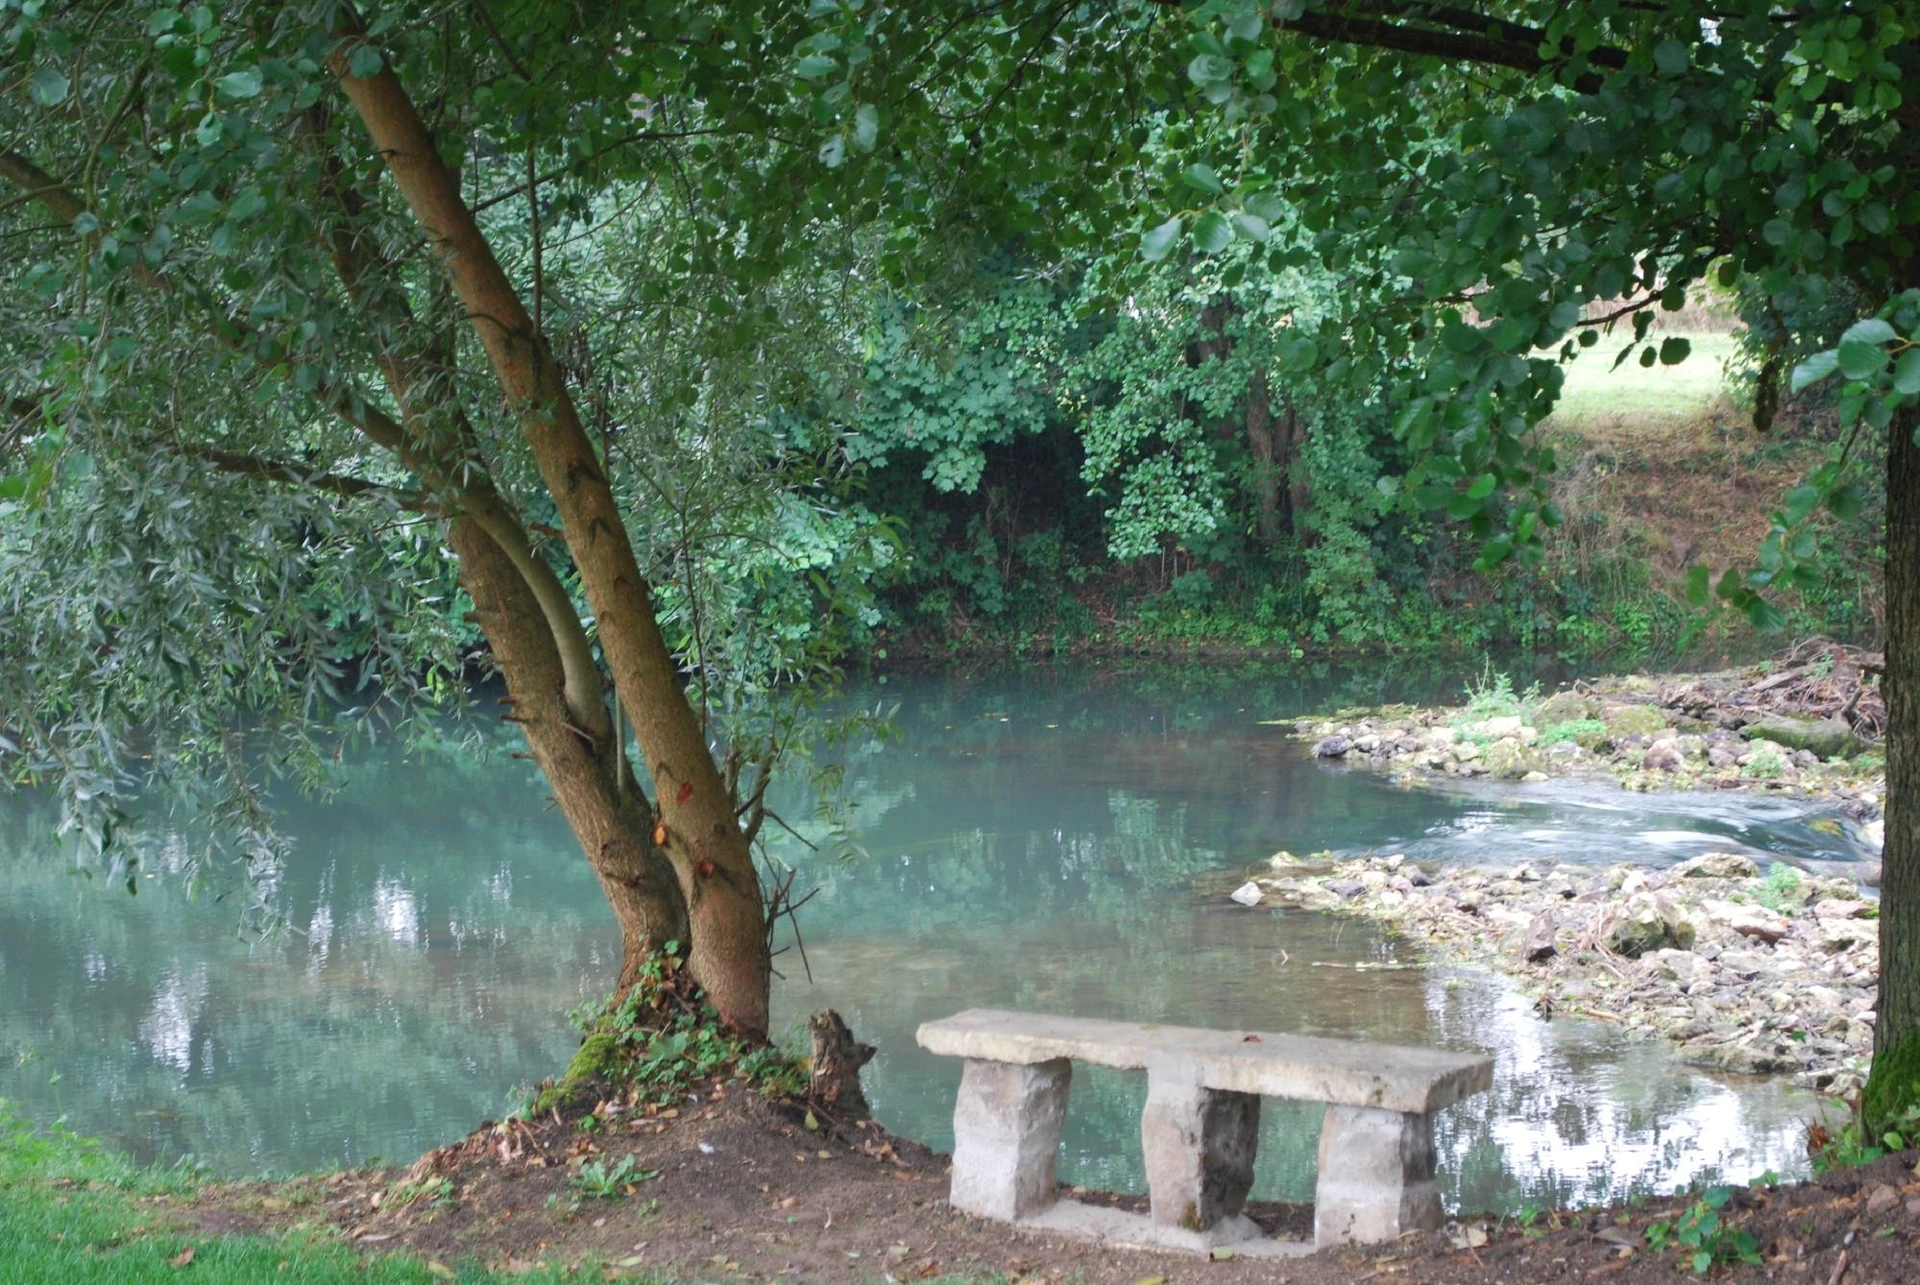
column 727, row 1186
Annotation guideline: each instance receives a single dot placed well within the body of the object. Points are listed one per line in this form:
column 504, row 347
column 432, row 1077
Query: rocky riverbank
column 1746, row 971
column 1810, row 728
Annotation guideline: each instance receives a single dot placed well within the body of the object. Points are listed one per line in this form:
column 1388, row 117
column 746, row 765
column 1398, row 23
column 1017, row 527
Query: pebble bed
column 1751, row 972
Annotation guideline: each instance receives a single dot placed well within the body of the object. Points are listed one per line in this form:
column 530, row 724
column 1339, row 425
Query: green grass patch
column 72, row 1213
column 1597, row 390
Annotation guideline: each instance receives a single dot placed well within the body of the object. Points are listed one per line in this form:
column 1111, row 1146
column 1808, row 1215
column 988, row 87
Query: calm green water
column 1047, row 839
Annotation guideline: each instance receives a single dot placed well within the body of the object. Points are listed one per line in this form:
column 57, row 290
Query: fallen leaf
column 631, row 1260
column 182, row 1258
column 440, row 1269
column 813, row 1121
column 1152, row 1280
column 1250, row 1039
column 1221, row 1253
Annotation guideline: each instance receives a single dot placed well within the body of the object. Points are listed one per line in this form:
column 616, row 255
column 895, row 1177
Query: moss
column 1893, row 1086
column 599, row 1056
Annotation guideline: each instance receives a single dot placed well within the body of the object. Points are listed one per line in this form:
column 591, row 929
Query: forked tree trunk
column 602, row 804
column 710, row 855
column 1895, row 1079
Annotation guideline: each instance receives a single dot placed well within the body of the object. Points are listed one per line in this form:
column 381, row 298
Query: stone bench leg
column 1198, row 1145
column 1376, row 1176
column 1006, row 1136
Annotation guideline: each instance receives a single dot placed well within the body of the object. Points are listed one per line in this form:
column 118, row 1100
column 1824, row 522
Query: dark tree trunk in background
column 1895, row 1080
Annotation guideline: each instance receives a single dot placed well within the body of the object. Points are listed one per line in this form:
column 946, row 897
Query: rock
column 1345, row 887
column 1756, row 922
column 1676, row 965
column 1825, row 737
column 1247, row 894
column 1565, row 707
column 1835, row 935
column 1717, row 865
column 1509, row 760
column 1333, row 747
column 1630, row 720
column 1874, row 834
column 1664, row 756
column 1537, row 946
column 1882, row 1198
column 1441, row 737
column 1419, row 878
column 1841, row 908
column 1466, row 752
column 1366, row 744
column 1499, row 727
column 1648, row 922
column 1534, row 778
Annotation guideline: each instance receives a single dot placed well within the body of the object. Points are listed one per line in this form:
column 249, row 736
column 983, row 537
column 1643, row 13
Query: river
column 1051, row 838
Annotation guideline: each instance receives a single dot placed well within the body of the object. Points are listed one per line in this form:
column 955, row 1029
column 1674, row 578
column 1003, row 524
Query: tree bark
column 709, row 852
column 604, row 808
column 1895, row 1079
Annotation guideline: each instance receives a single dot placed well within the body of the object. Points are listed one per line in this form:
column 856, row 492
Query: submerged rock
column 1333, row 747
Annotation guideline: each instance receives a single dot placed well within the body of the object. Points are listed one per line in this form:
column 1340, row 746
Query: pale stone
column 1504, row 726
column 1840, row 908
column 1835, row 935
column 1756, row 922
column 1006, row 1136
column 1466, row 752
column 1376, row 1176
column 1198, row 1145
column 1717, row 865
column 1247, row 894
column 1305, row 1067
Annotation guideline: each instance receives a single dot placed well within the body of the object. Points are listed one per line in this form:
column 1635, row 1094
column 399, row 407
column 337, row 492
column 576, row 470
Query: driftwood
column 1817, row 679
column 837, row 1059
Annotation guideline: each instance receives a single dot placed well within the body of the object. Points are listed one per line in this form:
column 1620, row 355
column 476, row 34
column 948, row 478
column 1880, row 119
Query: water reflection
column 1035, row 842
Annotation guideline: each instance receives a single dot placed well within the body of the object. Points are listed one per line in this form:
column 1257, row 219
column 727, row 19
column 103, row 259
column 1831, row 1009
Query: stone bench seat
column 1200, row 1127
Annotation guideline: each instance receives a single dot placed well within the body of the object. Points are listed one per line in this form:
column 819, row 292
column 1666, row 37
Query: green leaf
column 1159, row 241
column 48, row 88
column 1483, row 486
column 1813, row 370
column 816, row 67
column 1252, row 226
column 1212, row 233
column 1906, row 373
column 239, row 84
column 1861, row 360
column 1203, row 178
column 1671, row 57
column 1698, row 591
column 1870, row 330
column 1845, row 502
column 1674, row 350
column 1764, row 616
column 833, row 152
column 1801, row 501
column 364, row 61
column 866, row 127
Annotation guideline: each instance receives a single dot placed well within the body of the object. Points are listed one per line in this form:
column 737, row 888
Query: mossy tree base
column 1893, row 1087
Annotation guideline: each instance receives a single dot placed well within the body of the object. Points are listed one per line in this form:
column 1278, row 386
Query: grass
column 1598, row 392
column 72, row 1213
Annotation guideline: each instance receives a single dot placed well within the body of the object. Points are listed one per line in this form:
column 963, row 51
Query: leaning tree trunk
column 601, row 802
column 1894, row 1082
column 710, row 854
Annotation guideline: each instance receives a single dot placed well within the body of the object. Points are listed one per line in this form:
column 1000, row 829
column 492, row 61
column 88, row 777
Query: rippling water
column 1035, row 840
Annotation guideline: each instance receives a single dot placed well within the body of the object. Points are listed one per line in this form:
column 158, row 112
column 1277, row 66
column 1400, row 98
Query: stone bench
column 1201, row 1123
